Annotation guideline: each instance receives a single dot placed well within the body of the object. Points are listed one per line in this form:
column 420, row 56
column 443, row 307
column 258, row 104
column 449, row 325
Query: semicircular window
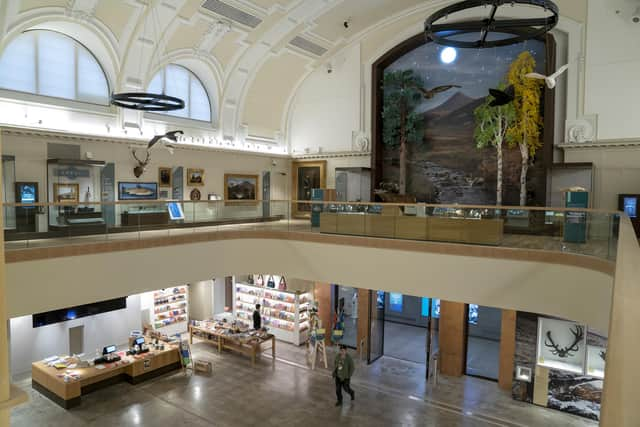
column 176, row 80
column 51, row 64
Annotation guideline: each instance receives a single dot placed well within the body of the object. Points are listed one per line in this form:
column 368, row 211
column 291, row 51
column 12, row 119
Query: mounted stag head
column 564, row 352
column 142, row 164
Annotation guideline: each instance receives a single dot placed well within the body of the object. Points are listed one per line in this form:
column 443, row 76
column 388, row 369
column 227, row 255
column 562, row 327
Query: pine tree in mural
column 402, row 126
column 525, row 129
column 492, row 123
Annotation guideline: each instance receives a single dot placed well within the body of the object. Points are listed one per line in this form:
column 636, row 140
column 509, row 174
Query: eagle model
column 430, row 93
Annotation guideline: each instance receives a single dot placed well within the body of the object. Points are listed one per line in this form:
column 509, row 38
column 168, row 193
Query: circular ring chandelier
column 143, row 101
column 516, row 30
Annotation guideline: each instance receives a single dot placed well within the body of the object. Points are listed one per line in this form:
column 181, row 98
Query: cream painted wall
column 550, row 289
column 617, row 171
column 28, row 344
column 326, row 108
column 31, row 157
column 612, row 69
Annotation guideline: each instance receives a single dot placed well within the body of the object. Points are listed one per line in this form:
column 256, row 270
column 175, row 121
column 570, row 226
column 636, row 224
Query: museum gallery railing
column 580, row 231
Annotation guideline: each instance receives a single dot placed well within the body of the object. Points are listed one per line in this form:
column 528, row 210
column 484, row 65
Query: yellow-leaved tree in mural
column 525, row 129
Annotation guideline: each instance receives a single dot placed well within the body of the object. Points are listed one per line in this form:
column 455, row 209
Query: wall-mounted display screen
column 424, row 308
column 395, row 302
column 596, row 356
column 473, row 314
column 628, row 203
column 435, row 308
column 137, row 190
column 64, row 314
column 26, row 192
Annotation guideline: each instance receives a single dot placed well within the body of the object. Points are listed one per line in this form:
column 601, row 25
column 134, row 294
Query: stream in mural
column 445, row 165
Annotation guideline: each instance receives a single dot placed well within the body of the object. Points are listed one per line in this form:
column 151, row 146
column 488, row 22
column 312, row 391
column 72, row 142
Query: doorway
column 483, row 341
column 346, row 312
column 405, row 328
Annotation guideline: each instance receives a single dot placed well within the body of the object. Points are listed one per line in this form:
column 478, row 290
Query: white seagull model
column 549, row 80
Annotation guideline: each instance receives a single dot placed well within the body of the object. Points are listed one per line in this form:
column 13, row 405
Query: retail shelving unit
column 285, row 313
column 171, row 309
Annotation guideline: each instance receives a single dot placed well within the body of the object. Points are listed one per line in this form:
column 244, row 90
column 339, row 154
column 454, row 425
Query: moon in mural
column 448, row 55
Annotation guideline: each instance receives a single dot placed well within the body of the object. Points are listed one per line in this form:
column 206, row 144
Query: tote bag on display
column 282, row 286
column 260, row 281
column 271, row 283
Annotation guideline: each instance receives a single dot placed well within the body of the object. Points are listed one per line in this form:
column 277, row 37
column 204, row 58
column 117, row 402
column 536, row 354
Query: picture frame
column 164, row 177
column 66, row 193
column 195, row 177
column 137, row 190
column 240, row 188
column 305, row 177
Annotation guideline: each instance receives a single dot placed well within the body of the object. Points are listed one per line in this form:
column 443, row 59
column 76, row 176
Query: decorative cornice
column 603, row 143
column 332, row 155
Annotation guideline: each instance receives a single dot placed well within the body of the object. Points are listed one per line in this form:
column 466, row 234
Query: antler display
column 564, row 352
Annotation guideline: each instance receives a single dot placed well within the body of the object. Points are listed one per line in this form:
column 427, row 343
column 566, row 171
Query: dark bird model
column 172, row 136
column 502, row 97
column 430, row 93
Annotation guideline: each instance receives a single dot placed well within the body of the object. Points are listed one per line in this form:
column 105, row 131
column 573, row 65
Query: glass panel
column 17, row 65
column 56, row 65
column 92, row 83
column 405, row 327
column 346, row 307
column 177, row 84
column 199, row 108
column 376, row 332
column 9, row 196
column 483, row 341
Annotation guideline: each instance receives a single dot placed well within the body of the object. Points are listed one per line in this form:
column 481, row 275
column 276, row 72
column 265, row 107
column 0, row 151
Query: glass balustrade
column 586, row 232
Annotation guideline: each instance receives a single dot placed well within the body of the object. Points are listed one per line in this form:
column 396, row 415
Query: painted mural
column 439, row 159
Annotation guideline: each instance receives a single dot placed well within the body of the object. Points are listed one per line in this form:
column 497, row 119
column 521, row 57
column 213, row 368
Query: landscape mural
column 442, row 161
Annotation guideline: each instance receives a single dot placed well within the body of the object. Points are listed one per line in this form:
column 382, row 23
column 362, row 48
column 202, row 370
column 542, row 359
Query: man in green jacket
column 342, row 372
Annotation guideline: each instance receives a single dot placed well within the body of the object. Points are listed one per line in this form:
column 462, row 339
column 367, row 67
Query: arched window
column 175, row 80
column 49, row 63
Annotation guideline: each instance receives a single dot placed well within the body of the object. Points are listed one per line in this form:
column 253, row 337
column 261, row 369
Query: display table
column 144, row 217
column 250, row 345
column 51, row 381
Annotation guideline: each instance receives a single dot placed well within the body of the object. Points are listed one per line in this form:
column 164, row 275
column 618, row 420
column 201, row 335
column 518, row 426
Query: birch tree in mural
column 401, row 124
column 525, row 129
column 492, row 123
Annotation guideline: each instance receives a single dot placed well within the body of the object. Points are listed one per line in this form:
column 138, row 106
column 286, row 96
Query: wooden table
column 251, row 345
column 133, row 369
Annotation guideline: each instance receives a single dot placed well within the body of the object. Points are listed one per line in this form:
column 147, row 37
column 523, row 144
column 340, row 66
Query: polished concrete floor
column 405, row 342
column 389, row 392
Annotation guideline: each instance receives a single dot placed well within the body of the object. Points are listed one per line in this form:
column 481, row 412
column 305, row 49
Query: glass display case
column 72, row 183
column 8, row 191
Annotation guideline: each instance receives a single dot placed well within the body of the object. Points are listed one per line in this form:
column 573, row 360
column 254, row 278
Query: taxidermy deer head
column 142, row 164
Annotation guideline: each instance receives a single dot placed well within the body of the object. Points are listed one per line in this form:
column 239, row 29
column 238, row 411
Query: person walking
column 342, row 372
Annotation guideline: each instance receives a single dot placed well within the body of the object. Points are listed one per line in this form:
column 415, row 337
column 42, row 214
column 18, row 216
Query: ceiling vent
column 308, row 46
column 233, row 13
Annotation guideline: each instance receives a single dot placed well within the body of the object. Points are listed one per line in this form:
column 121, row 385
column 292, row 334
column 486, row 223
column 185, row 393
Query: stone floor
column 389, row 392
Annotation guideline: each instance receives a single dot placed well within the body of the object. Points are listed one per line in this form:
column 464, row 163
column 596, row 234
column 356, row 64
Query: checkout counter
column 64, row 379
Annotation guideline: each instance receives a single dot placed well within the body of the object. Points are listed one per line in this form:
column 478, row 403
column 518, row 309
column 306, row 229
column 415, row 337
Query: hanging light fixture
column 444, row 26
column 145, row 101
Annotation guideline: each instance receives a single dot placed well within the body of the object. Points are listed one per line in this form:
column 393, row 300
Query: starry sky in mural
column 476, row 70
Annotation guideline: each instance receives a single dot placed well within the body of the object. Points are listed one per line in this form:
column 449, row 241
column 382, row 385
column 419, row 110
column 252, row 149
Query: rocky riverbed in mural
column 447, row 167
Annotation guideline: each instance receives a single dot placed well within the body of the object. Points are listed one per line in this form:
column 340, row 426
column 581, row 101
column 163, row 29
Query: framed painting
column 240, row 189
column 137, row 190
column 306, row 176
column 195, row 177
column 164, row 177
column 66, row 193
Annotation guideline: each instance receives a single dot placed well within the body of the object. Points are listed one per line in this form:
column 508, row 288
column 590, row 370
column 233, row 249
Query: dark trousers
column 343, row 384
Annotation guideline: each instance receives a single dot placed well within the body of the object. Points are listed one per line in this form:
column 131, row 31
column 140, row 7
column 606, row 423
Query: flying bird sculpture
column 549, row 80
column 142, row 164
column 502, row 97
column 430, row 93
